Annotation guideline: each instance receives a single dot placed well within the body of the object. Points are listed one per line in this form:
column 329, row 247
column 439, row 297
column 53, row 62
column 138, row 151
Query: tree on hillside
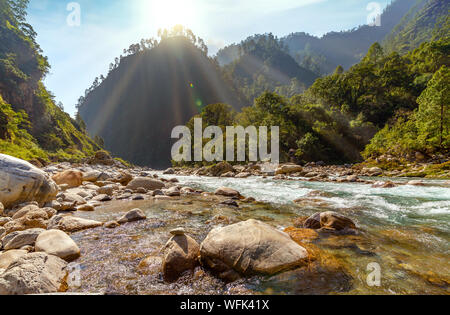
column 433, row 115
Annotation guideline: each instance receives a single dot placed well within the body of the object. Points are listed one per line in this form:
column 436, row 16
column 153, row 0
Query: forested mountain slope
column 31, row 124
column 149, row 92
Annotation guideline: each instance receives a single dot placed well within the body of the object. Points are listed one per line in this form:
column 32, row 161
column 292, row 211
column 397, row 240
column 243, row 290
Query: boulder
column 91, row 176
column 22, row 182
column 107, row 190
column 220, row 169
column 227, row 192
column 288, row 169
column 101, row 157
column 57, row 243
column 144, row 182
column 34, row 273
column 123, row 178
column 36, row 218
column 330, row 221
column 172, row 192
column 72, row 224
column 4, row 220
column 7, row 257
column 131, row 216
column 375, row 171
column 243, row 175
column 74, row 199
column 249, row 248
column 19, row 239
column 169, row 171
column 187, row 190
column 182, row 255
column 72, row 178
column 23, row 211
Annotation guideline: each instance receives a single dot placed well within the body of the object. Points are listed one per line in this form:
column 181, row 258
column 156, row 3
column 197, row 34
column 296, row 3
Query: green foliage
column 427, row 20
column 31, row 125
column 433, row 116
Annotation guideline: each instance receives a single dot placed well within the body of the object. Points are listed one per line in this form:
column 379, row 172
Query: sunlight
column 168, row 13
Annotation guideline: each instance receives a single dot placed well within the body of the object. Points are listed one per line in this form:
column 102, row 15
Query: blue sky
column 78, row 54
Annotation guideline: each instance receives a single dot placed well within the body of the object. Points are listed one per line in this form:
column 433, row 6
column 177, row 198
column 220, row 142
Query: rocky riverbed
column 103, row 228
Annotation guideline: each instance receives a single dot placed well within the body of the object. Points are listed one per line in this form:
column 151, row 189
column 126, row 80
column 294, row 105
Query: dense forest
column 32, row 126
column 406, row 97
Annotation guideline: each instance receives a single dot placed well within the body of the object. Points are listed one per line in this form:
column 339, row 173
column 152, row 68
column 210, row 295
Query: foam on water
column 404, row 204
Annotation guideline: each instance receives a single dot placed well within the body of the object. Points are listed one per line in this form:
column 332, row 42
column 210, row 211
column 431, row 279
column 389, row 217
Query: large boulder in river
column 58, row 243
column 71, row 178
column 249, row 248
column 182, row 255
column 144, row 182
column 288, row 169
column 22, row 182
column 34, row 273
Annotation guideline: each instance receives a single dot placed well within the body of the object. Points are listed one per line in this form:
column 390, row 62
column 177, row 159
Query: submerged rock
column 24, row 183
column 329, row 220
column 34, row 273
column 132, row 216
column 182, row 255
column 249, row 248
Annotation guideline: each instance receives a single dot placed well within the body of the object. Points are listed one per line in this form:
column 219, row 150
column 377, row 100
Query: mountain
column 32, row 126
column 265, row 64
column 421, row 24
column 345, row 48
column 150, row 92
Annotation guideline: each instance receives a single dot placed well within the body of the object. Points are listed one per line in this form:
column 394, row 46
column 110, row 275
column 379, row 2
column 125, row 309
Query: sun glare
column 168, row 13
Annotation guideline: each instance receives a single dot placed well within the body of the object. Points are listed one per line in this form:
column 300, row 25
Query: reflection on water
column 404, row 229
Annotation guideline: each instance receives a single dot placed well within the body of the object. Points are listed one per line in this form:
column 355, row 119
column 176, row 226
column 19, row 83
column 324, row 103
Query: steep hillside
column 149, row 93
column 421, row 24
column 31, row 124
column 265, row 64
column 345, row 48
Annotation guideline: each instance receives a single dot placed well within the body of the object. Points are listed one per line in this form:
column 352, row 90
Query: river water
column 405, row 234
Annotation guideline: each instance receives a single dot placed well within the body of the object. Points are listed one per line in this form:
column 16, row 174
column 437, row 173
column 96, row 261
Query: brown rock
column 182, row 255
column 71, row 178
column 227, row 192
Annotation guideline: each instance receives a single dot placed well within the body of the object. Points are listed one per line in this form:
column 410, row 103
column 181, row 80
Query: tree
column 433, row 116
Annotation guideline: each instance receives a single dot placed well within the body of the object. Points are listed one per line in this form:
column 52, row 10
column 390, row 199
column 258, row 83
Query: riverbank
column 128, row 223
